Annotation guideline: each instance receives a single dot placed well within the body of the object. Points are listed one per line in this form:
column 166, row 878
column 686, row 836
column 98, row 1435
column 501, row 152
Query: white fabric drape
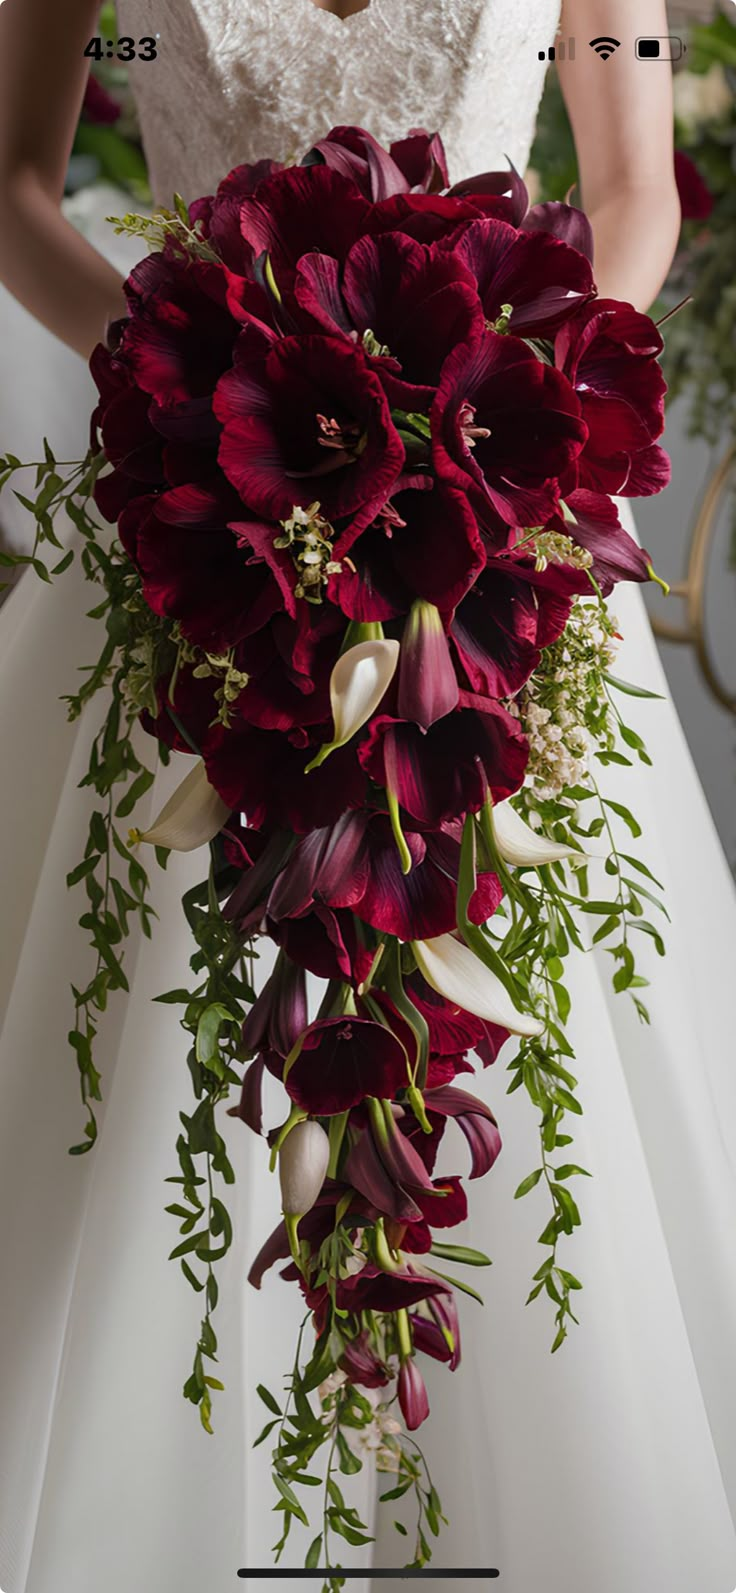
column 609, row 1465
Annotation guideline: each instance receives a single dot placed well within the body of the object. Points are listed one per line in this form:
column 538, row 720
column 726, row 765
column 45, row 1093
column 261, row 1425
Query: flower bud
column 428, row 687
column 303, row 1160
column 413, row 1397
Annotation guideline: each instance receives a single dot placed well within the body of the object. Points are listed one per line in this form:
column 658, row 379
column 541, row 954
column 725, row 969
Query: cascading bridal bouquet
column 359, row 433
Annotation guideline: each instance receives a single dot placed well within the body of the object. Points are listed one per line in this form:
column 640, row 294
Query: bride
column 611, row 1464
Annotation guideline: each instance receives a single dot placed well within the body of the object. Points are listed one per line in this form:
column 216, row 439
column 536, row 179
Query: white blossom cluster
column 371, row 1439
column 564, row 704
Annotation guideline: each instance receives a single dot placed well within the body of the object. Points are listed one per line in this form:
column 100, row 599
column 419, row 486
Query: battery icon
column 668, row 48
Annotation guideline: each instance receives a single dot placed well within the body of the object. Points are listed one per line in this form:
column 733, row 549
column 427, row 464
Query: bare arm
column 621, row 116
column 44, row 262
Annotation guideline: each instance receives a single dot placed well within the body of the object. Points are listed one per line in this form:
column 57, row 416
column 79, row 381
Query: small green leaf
column 458, row 1284
column 631, row 690
column 528, row 1183
column 269, row 1427
column 313, row 1554
column 268, row 1400
column 461, row 1254
column 623, row 813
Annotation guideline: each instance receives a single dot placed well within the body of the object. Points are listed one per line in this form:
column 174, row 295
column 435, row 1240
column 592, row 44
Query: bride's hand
column 622, row 121
column 44, row 261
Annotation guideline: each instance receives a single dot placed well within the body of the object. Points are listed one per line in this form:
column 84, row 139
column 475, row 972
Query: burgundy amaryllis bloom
column 422, row 541
column 505, row 427
column 302, row 209
column 180, row 336
column 305, row 419
column 121, row 424
column 510, row 613
column 218, row 214
column 195, row 569
column 445, row 772
column 542, row 279
column 416, row 163
column 609, row 352
column 341, row 1061
column 395, row 289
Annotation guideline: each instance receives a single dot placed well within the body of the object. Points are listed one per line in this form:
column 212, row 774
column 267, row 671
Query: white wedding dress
column 611, row 1465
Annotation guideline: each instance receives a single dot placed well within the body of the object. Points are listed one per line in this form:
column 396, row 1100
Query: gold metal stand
column 692, row 589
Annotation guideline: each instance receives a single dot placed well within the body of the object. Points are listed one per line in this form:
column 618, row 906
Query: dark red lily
column 279, row 1013
column 341, row 1061
column 472, row 1116
column 452, row 1031
column 596, row 526
column 362, row 1364
column 416, row 1237
column 384, row 1166
column 445, row 772
column 438, row 1333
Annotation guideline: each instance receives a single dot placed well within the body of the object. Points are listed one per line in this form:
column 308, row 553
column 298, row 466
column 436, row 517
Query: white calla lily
column 520, row 845
column 357, row 684
column 454, row 971
column 193, row 816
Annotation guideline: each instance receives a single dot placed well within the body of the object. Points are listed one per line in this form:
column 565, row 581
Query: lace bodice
column 236, row 80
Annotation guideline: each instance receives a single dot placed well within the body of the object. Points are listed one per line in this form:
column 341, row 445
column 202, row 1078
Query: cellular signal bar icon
column 561, row 51
column 604, row 47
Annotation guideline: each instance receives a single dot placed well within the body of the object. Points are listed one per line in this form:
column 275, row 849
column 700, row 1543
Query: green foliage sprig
column 115, row 772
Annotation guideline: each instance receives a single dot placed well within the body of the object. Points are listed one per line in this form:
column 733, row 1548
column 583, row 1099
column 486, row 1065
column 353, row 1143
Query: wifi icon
column 604, row 47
